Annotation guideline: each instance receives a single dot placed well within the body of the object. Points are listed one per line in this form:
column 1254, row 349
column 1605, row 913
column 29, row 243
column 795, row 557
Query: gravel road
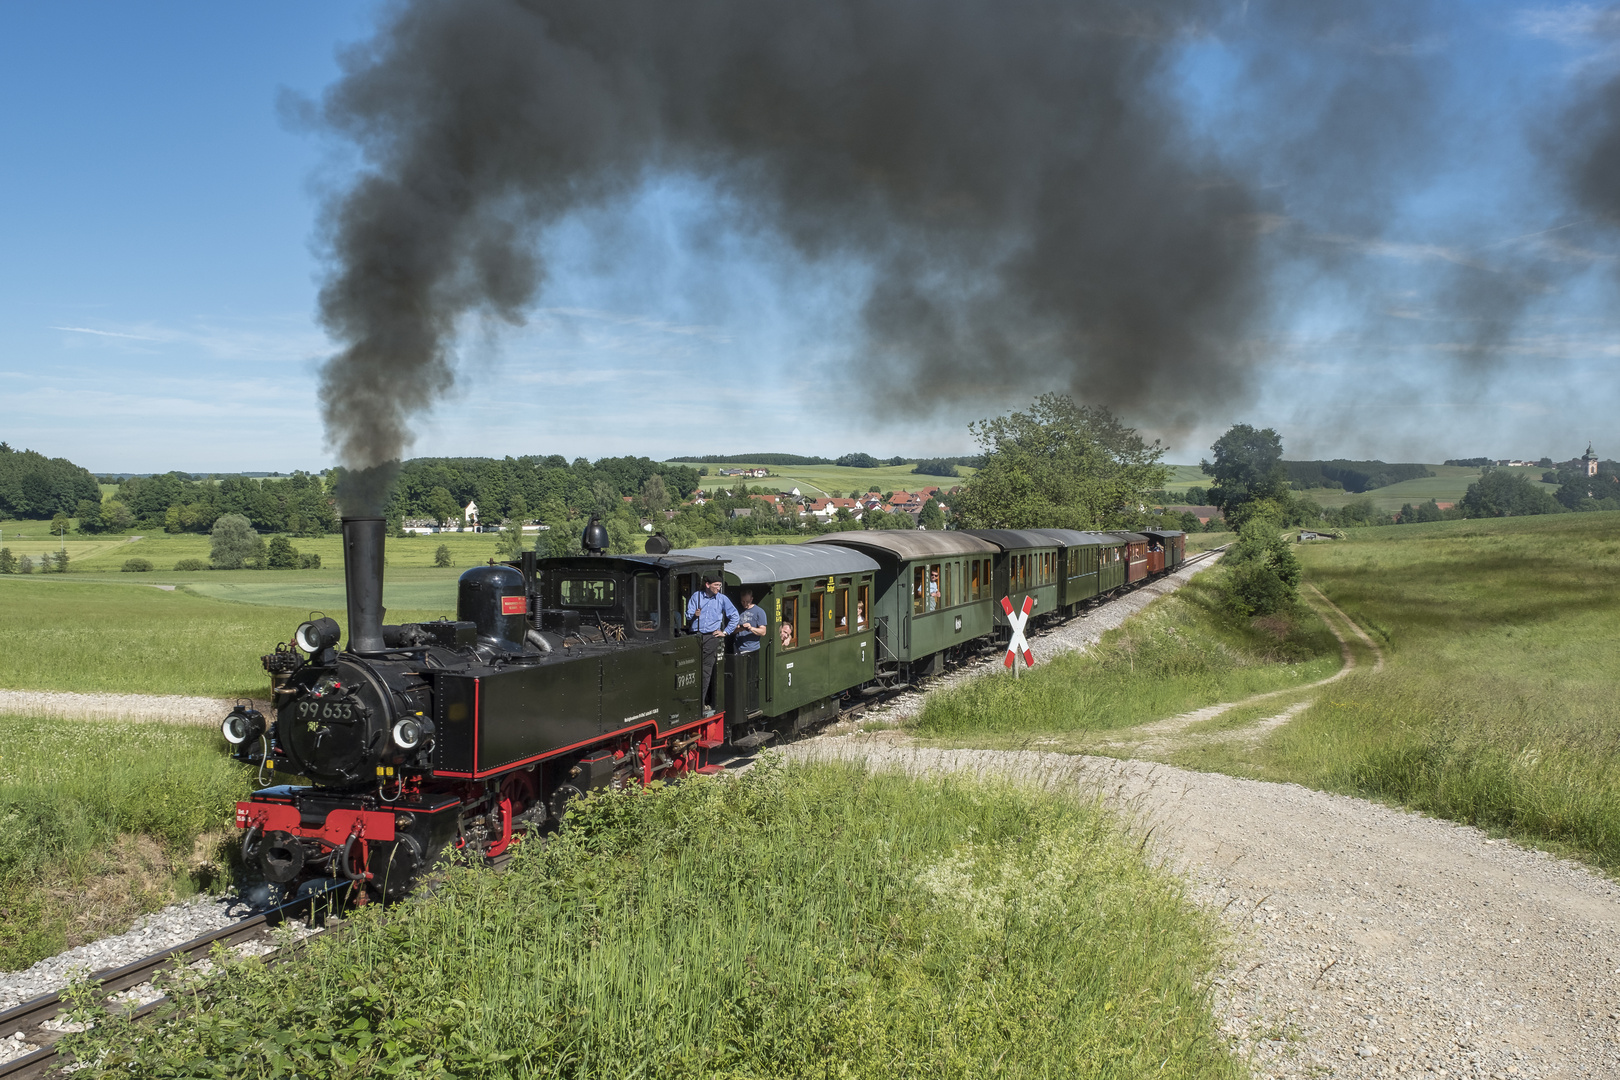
column 1367, row 941
column 175, row 709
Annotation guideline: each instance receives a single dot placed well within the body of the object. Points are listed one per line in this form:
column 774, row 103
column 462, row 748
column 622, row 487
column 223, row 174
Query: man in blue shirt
column 712, row 615
column 751, row 625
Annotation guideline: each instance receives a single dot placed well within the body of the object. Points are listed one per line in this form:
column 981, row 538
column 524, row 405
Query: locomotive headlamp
column 242, row 724
column 317, row 634
column 408, row 733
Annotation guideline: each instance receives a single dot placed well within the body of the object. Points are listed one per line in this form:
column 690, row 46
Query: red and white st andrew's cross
column 1016, row 619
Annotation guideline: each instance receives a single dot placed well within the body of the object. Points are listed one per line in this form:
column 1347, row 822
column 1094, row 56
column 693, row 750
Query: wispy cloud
column 1571, row 24
column 103, row 333
column 643, row 322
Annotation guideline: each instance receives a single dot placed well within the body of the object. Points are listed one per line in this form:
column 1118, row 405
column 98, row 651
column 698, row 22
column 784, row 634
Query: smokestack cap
column 595, row 537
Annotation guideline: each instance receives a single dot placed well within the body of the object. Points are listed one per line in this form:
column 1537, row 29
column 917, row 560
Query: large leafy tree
column 1247, row 469
column 1501, row 493
column 1059, row 465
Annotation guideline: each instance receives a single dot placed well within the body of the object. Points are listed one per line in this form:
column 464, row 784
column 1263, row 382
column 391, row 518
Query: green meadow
column 785, row 923
column 1499, row 704
column 1449, row 484
column 71, row 632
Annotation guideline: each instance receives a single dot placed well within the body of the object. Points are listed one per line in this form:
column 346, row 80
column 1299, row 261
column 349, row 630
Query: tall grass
column 1182, row 653
column 1500, row 704
column 808, row 922
column 81, row 802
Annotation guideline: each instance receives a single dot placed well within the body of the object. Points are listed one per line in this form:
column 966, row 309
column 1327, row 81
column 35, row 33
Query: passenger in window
column 787, row 635
column 711, row 614
column 860, row 615
column 751, row 624
column 933, row 589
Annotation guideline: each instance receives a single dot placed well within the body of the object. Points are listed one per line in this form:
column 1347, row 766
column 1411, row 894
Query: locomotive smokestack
column 363, row 579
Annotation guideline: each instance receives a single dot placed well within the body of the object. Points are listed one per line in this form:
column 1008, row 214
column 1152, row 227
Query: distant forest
column 35, row 487
column 1341, row 474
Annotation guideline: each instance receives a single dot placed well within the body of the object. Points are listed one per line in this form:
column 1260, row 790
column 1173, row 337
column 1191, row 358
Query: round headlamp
column 242, row 724
column 408, row 733
column 317, row 634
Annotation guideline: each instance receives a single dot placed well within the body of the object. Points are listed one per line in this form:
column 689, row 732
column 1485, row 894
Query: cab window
column 647, row 602
column 592, row 592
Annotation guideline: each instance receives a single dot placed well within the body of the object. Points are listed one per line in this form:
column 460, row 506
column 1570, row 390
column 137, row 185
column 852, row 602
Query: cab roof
column 784, row 562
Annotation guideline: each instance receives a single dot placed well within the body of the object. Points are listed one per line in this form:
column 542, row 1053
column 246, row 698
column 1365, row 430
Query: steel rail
column 35, row 1012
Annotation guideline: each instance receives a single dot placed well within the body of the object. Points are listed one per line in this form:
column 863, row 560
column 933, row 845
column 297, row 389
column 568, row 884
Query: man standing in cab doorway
column 711, row 614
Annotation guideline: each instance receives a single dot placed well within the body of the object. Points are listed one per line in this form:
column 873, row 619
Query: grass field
column 1449, row 484
column 1500, row 702
column 1182, row 653
column 67, row 633
column 806, row 922
column 100, row 822
column 163, row 550
column 822, row 480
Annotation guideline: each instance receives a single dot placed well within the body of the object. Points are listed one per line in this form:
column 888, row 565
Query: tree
column 235, row 542
column 61, row 561
column 441, row 557
column 932, row 517
column 443, row 506
column 1247, row 467
column 115, row 516
column 61, row 524
column 509, row 547
column 1059, row 465
column 935, row 467
column 858, row 461
column 282, row 555
column 89, row 515
column 1262, row 573
column 654, row 499
column 25, row 565
column 1502, row 493
column 8, row 561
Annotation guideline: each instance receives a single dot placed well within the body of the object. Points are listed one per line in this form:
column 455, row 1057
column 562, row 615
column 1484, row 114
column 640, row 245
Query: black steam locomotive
column 423, row 736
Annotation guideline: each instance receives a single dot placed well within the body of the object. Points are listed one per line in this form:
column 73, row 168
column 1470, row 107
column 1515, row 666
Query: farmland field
column 1449, row 484
column 820, row 481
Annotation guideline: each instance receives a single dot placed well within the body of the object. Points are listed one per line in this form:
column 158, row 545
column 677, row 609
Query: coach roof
column 908, row 543
column 1011, row 539
column 785, row 562
column 1076, row 538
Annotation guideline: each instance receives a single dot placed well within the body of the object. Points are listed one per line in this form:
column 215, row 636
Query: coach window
column 947, row 587
column 919, row 580
column 863, row 607
column 841, row 610
column 646, row 601
column 787, row 634
column 817, row 605
column 973, row 583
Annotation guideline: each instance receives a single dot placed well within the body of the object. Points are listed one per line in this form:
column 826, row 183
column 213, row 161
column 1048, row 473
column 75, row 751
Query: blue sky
column 157, row 293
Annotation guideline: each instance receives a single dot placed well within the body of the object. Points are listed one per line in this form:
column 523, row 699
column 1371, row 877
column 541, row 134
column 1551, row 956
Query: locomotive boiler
column 415, row 738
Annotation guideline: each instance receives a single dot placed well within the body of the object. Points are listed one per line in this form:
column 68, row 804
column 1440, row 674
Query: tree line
column 34, row 487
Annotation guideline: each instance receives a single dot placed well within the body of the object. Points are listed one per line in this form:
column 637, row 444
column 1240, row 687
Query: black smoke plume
column 1019, row 175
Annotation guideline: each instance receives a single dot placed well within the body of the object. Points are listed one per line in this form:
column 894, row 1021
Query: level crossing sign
column 1018, row 646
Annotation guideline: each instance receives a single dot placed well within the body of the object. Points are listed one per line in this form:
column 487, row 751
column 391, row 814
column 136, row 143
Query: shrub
column 310, row 561
column 441, row 557
column 138, row 566
column 25, row 565
column 1262, row 574
column 8, row 561
column 282, row 554
column 191, row 564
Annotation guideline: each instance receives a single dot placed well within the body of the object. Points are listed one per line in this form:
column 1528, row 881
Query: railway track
column 34, row 1019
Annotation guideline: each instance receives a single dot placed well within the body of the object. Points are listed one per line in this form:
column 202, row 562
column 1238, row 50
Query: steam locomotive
column 563, row 676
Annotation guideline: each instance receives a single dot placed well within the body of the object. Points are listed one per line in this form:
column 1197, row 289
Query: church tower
column 1590, row 461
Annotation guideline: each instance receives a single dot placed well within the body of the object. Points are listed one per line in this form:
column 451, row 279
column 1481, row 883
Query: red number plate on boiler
column 514, row 605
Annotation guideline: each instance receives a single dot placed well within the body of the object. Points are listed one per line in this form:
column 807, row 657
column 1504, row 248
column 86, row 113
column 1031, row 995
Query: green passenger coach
column 819, row 639
column 1082, row 557
column 935, row 596
column 1027, row 566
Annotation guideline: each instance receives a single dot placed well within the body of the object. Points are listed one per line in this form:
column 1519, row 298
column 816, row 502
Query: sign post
column 1018, row 646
